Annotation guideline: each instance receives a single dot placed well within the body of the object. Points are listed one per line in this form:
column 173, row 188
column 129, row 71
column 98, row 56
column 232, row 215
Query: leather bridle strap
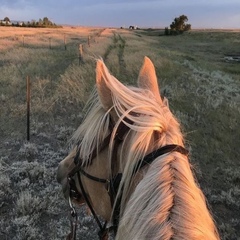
column 103, row 228
column 149, row 158
column 96, row 179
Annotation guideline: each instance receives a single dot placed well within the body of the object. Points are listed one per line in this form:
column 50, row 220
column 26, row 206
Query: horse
column 129, row 164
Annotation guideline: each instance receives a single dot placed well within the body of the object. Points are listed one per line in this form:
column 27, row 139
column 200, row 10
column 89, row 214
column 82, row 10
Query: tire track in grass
column 122, row 63
column 117, row 44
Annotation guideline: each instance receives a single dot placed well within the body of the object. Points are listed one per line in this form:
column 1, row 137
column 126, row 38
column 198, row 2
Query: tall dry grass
column 202, row 89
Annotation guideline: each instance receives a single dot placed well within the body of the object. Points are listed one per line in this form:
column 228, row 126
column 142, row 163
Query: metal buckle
column 73, row 211
column 107, row 185
column 73, row 221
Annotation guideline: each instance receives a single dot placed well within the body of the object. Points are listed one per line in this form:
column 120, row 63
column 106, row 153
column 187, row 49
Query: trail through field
column 118, row 46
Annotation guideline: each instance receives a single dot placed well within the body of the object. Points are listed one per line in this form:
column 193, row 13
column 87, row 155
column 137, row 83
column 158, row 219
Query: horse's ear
column 147, row 78
column 102, row 79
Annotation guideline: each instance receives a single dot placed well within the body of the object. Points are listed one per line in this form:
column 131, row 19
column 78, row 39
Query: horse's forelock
column 93, row 129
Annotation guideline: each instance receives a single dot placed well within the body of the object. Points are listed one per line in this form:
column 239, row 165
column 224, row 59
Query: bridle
column 112, row 183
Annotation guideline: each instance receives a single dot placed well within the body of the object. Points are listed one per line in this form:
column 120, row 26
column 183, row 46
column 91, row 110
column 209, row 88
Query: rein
column 111, row 184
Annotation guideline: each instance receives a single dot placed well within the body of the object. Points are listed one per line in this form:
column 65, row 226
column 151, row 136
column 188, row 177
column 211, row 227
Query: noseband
column 112, row 183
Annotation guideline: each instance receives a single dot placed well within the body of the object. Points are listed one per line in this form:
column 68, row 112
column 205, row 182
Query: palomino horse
column 130, row 165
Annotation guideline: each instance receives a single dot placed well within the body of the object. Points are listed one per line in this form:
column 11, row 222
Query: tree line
column 178, row 26
column 41, row 23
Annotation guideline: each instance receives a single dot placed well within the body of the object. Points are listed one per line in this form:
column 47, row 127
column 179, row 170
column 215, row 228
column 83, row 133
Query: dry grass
column 202, row 89
column 14, row 36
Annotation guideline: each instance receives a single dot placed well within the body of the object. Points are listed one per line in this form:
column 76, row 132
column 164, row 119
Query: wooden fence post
column 80, row 54
column 28, row 108
column 49, row 40
column 50, row 43
column 23, row 40
column 88, row 41
column 65, row 46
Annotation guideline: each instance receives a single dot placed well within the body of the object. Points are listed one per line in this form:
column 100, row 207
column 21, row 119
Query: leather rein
column 111, row 184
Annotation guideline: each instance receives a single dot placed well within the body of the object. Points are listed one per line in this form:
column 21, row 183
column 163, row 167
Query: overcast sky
column 117, row 13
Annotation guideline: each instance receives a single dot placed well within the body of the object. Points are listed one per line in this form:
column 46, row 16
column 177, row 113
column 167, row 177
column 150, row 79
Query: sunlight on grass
column 202, row 89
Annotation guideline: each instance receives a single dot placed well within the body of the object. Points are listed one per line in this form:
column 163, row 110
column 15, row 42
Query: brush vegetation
column 203, row 92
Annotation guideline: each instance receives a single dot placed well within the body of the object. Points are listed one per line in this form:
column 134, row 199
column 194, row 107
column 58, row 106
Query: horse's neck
column 164, row 202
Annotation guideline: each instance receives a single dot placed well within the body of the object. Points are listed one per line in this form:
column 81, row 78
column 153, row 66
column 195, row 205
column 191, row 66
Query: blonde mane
column 167, row 203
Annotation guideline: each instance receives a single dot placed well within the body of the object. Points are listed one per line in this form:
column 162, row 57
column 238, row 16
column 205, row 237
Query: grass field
column 203, row 92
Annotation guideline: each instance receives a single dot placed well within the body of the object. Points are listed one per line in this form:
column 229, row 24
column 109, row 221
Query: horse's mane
column 167, row 203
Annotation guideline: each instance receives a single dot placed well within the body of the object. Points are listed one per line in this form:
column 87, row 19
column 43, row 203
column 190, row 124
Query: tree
column 33, row 23
column 45, row 21
column 166, row 31
column 40, row 22
column 179, row 25
column 6, row 19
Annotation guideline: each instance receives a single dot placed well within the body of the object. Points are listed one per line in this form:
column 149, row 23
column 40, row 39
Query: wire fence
column 72, row 51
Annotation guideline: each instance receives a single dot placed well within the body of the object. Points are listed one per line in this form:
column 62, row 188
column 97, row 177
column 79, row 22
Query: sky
column 123, row 13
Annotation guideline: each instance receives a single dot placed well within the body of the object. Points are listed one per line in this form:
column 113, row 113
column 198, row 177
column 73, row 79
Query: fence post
column 88, row 41
column 65, row 46
column 50, row 43
column 23, row 40
column 80, row 54
column 28, row 108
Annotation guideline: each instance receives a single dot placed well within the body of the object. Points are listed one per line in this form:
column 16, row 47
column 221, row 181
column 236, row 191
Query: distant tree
column 33, row 23
column 45, row 21
column 40, row 22
column 188, row 27
column 166, row 31
column 6, row 19
column 179, row 25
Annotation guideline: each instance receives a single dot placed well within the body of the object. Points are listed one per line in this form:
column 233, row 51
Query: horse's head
column 113, row 110
column 129, row 161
